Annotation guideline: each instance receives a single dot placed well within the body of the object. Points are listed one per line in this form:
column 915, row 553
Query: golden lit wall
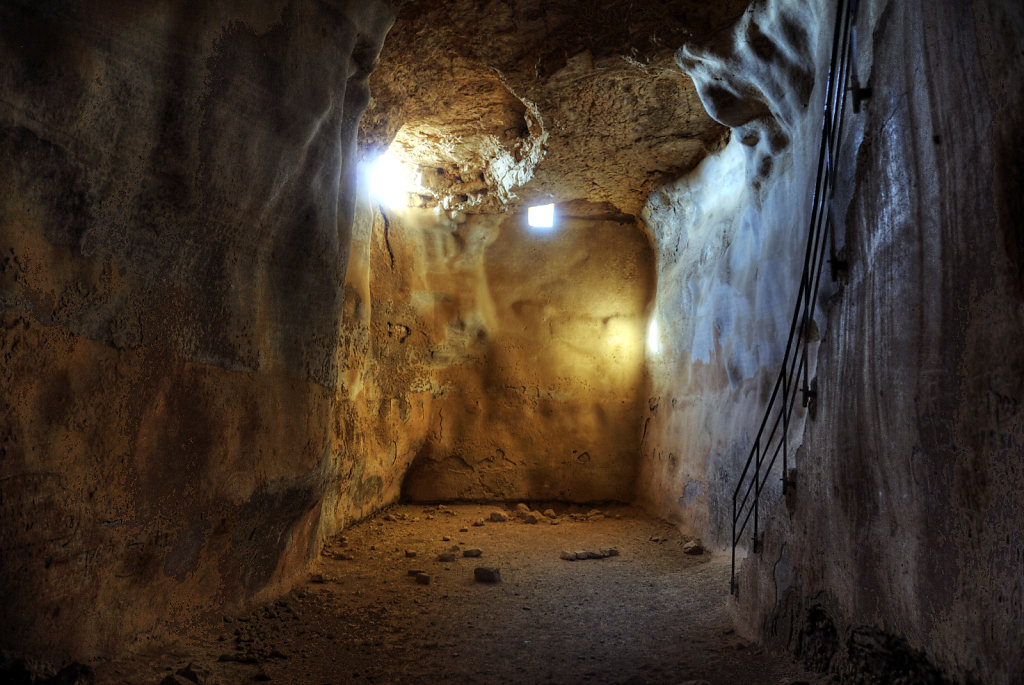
column 499, row 361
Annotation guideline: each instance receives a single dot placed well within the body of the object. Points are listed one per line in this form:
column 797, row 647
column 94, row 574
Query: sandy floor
column 651, row 614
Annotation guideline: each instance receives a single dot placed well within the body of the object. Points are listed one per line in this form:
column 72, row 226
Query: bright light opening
column 653, row 337
column 391, row 181
column 541, row 216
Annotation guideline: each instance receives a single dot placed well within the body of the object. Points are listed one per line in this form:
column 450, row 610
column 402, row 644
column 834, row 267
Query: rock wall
column 729, row 240
column 899, row 557
column 175, row 211
column 904, row 552
column 496, row 362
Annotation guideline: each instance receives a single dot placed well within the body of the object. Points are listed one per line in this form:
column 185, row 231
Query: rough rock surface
column 897, row 558
column 214, row 353
column 490, row 361
column 175, row 210
column 585, row 92
column 727, row 259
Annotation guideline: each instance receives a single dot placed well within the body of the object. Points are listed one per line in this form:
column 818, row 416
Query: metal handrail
column 765, row 451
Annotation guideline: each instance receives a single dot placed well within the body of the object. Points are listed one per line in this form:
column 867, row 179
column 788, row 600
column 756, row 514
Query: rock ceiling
column 502, row 102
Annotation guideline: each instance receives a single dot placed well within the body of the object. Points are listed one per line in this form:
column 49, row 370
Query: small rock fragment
column 609, row 552
column 170, row 680
column 410, row 554
column 530, row 517
column 478, row 523
column 463, row 530
column 446, row 538
column 473, row 552
column 192, row 674
column 582, row 554
column 446, row 557
column 487, row 574
column 567, row 555
column 316, row 578
column 499, row 516
column 416, row 571
column 693, row 547
column 550, row 513
column 423, row 578
column 522, row 508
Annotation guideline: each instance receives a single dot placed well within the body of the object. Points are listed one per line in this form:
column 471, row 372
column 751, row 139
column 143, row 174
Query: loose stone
column 487, row 574
column 423, row 578
column 693, row 547
column 473, row 552
column 499, row 516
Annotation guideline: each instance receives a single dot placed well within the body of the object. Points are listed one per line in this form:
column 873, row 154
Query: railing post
column 785, row 431
column 732, row 576
column 757, row 491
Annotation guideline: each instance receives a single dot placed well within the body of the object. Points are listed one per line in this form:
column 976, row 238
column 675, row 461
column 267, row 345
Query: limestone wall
column 899, row 554
column 907, row 520
column 729, row 239
column 496, row 361
column 175, row 208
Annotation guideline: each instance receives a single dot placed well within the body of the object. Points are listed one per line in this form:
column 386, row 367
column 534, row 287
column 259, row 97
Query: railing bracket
column 837, row 266
column 860, row 93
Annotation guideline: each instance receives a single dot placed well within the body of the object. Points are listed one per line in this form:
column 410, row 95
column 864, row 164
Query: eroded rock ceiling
column 502, row 102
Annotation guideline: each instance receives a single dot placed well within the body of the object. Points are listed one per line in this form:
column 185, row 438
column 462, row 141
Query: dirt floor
column 652, row 613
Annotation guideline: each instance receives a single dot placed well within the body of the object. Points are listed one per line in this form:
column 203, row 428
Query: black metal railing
column 794, row 383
